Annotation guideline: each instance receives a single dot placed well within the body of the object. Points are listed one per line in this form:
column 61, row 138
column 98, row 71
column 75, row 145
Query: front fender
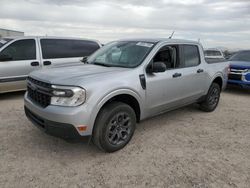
column 100, row 103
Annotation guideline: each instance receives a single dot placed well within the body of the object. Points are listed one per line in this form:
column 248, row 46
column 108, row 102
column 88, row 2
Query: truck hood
column 75, row 74
column 240, row 64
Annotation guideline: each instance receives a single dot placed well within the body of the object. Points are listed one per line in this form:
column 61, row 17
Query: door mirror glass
column 5, row 57
column 158, row 67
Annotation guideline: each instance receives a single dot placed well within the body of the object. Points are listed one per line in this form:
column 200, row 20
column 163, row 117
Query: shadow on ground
column 237, row 90
column 12, row 95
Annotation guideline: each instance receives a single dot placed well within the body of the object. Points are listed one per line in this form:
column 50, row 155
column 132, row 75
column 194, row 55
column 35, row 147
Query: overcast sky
column 215, row 22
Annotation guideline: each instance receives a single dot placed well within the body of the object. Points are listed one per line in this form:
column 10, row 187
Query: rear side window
column 191, row 55
column 212, row 53
column 21, row 50
column 65, row 48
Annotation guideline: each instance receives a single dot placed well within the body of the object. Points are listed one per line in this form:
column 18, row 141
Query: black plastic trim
column 61, row 130
column 15, row 79
column 143, row 81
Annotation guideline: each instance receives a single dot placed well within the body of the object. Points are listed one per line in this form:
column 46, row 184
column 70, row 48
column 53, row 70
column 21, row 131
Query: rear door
column 194, row 74
column 65, row 51
column 24, row 59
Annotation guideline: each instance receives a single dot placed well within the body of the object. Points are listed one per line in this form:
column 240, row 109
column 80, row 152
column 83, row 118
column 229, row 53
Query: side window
column 81, row 48
column 169, row 55
column 65, row 48
column 21, row 50
column 191, row 55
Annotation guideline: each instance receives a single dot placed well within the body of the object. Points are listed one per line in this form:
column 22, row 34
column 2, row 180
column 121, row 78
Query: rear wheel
column 114, row 126
column 212, row 98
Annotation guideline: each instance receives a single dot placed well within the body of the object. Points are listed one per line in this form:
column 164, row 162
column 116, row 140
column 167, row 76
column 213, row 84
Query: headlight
column 67, row 96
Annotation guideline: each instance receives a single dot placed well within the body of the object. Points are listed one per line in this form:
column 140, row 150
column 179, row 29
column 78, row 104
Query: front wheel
column 212, row 98
column 114, row 126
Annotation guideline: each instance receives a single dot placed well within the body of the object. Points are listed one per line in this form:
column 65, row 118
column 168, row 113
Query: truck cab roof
column 157, row 40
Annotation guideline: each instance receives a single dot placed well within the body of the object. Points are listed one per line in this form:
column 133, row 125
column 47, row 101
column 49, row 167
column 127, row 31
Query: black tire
column 114, row 126
column 212, row 98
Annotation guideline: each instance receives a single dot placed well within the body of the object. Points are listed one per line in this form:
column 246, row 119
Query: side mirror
column 5, row 57
column 157, row 67
column 84, row 59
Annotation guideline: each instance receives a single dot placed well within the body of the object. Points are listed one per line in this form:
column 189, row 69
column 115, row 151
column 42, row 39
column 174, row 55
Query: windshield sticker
column 2, row 41
column 145, row 44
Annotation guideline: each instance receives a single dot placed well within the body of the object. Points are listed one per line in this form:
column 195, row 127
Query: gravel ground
column 182, row 148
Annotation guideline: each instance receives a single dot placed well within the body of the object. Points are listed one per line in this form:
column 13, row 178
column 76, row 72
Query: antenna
column 199, row 40
column 171, row 35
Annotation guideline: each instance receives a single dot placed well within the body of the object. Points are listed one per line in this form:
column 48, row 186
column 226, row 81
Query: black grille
column 39, row 83
column 39, row 92
column 234, row 76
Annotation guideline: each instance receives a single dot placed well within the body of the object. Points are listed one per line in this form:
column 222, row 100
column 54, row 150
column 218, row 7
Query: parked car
column 213, row 55
column 122, row 83
column 20, row 56
column 239, row 73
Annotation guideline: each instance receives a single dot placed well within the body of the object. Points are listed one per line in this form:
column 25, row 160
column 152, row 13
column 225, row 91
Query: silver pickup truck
column 121, row 84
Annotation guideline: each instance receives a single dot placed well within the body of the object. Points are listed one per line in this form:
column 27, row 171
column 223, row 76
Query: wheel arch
column 124, row 95
column 218, row 79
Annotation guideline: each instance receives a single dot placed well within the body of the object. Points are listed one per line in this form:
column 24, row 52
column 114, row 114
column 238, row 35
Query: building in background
column 10, row 33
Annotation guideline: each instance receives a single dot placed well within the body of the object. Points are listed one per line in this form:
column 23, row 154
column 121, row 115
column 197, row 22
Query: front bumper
column 241, row 83
column 68, row 119
column 239, row 77
column 62, row 130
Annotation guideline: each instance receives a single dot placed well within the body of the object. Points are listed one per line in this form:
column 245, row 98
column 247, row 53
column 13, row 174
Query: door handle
column 35, row 63
column 177, row 75
column 200, row 70
column 47, row 63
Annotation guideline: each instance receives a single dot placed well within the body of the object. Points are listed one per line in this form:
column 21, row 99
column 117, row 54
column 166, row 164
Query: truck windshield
column 126, row 54
column 241, row 56
column 4, row 41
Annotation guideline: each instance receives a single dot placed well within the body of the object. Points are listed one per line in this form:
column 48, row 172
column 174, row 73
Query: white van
column 22, row 55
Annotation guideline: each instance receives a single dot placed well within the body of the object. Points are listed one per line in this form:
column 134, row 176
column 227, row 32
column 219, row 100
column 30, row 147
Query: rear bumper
column 62, row 130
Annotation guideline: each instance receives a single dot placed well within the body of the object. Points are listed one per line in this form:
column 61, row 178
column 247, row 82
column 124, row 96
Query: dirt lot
column 183, row 148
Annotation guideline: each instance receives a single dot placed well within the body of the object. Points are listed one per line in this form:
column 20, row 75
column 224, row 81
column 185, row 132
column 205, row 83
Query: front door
column 23, row 59
column 164, row 90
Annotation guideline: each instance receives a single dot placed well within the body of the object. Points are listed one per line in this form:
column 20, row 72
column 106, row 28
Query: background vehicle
column 239, row 73
column 20, row 56
column 213, row 55
column 120, row 84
